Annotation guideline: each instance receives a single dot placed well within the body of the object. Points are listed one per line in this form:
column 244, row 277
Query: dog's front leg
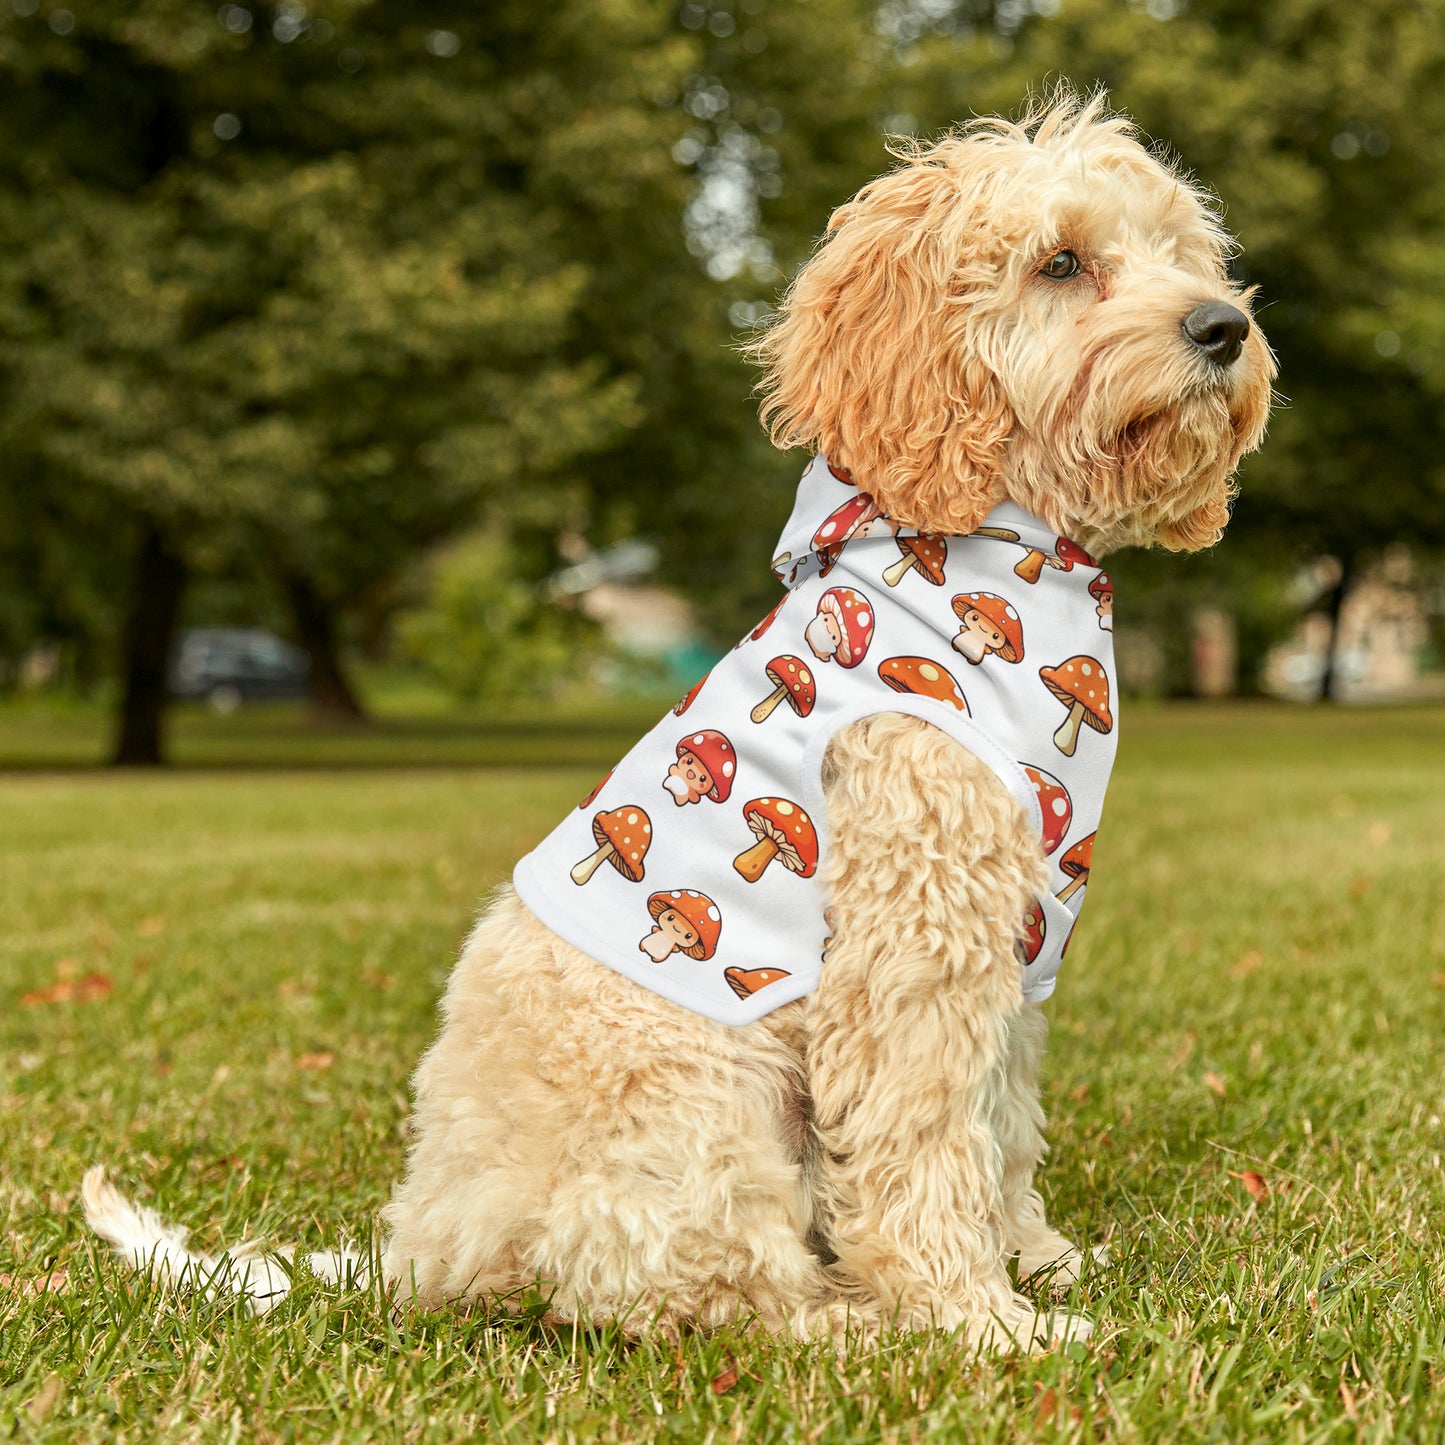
column 932, row 864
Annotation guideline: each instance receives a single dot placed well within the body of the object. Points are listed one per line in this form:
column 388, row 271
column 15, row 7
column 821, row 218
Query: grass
column 217, row 981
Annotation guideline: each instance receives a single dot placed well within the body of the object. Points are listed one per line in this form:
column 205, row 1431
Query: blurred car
column 227, row 666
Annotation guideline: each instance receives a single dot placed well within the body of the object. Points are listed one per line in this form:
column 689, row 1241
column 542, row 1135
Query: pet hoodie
column 693, row 867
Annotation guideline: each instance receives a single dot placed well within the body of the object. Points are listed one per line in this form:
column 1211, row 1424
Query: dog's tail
column 148, row 1244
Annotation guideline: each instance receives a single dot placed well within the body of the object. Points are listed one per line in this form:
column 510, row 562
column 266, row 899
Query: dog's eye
column 1061, row 266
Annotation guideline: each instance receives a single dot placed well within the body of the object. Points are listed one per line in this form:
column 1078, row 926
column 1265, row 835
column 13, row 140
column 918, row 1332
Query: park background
column 407, row 334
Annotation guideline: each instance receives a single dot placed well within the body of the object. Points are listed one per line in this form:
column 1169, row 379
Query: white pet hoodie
column 693, row 866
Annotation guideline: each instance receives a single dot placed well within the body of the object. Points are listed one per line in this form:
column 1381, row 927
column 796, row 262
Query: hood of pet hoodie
column 693, row 867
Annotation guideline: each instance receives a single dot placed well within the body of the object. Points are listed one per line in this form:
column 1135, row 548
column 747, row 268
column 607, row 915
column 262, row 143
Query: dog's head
column 1036, row 311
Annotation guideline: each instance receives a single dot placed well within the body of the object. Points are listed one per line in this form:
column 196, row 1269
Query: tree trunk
column 333, row 699
column 1334, row 606
column 150, row 629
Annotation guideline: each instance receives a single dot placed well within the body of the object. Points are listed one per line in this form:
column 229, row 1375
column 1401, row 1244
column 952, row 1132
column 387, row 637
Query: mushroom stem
column 1032, row 565
column 1073, row 886
column 895, row 574
column 588, row 866
column 1001, row 534
column 752, row 863
column 658, row 944
column 1067, row 737
column 764, row 710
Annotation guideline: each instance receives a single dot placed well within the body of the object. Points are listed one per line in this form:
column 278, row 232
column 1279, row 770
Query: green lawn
column 216, row 980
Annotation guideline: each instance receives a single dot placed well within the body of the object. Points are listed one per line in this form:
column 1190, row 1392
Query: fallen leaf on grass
column 321, row 1059
column 1214, row 1083
column 1247, row 964
column 1044, row 1410
column 722, row 1383
column 56, row 1282
column 1255, row 1184
column 66, row 990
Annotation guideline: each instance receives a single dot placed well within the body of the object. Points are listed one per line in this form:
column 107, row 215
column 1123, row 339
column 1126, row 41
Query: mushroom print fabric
column 868, row 624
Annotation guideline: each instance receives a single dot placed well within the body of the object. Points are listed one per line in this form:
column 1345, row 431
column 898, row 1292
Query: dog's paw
column 1057, row 1268
column 1023, row 1326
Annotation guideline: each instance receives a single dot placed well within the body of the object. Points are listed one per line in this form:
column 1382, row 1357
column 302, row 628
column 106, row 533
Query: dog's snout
column 1218, row 330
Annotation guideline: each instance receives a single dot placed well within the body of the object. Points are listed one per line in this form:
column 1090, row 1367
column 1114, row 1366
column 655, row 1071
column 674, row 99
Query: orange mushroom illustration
column 684, row 921
column 1034, row 931
column 688, row 698
column 592, row 796
column 785, row 832
column 1082, row 685
column 843, row 627
column 988, row 625
column 925, row 554
column 791, row 682
column 1056, row 808
column 1076, row 864
column 923, row 677
column 839, row 527
column 623, row 837
column 1102, row 591
column 705, row 766
column 747, row 981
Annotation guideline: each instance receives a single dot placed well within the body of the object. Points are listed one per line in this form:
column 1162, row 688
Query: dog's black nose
column 1217, row 330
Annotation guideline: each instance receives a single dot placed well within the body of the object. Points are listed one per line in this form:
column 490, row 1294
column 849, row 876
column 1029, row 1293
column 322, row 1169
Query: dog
column 1034, row 315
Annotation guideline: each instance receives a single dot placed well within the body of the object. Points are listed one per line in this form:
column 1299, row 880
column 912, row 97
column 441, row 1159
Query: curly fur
column 866, row 1155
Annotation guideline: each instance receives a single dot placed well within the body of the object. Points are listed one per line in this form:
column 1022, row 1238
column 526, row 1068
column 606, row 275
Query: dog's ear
column 873, row 357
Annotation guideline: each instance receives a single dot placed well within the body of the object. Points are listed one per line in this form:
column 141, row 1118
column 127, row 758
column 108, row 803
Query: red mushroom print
column 842, row 474
column 1082, row 685
column 704, row 768
column 793, row 683
column 843, row 627
column 1076, row 864
column 988, row 624
column 1034, row 930
column 785, row 832
column 1056, row 808
column 1067, row 555
column 747, row 981
column 685, row 921
column 591, row 797
column 923, row 677
column 688, row 698
column 768, row 621
column 839, row 527
column 924, row 554
column 623, row 838
column 1102, row 591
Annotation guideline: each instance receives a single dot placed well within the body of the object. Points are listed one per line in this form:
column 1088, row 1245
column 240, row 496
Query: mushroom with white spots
column 1082, row 685
column 768, row 621
column 925, row 554
column 690, row 696
column 792, row 683
column 747, row 981
column 988, row 625
column 1034, row 931
column 923, row 677
column 592, row 796
column 1067, row 555
column 838, row 528
column 623, row 837
column 685, row 921
column 1076, row 864
column 705, row 766
column 785, row 832
column 843, row 627
column 1102, row 591
column 1056, row 808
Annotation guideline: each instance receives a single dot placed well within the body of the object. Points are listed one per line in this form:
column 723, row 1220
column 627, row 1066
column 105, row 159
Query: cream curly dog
column 1037, row 313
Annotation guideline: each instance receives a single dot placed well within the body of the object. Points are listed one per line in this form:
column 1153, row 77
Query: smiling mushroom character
column 1056, row 808
column 923, row 677
column 704, row 768
column 987, row 624
column 791, row 681
column 785, row 832
column 1076, row 864
column 623, row 838
column 1034, row 930
column 924, row 554
column 843, row 627
column 1083, row 687
column 747, row 981
column 685, row 922
column 1102, row 591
